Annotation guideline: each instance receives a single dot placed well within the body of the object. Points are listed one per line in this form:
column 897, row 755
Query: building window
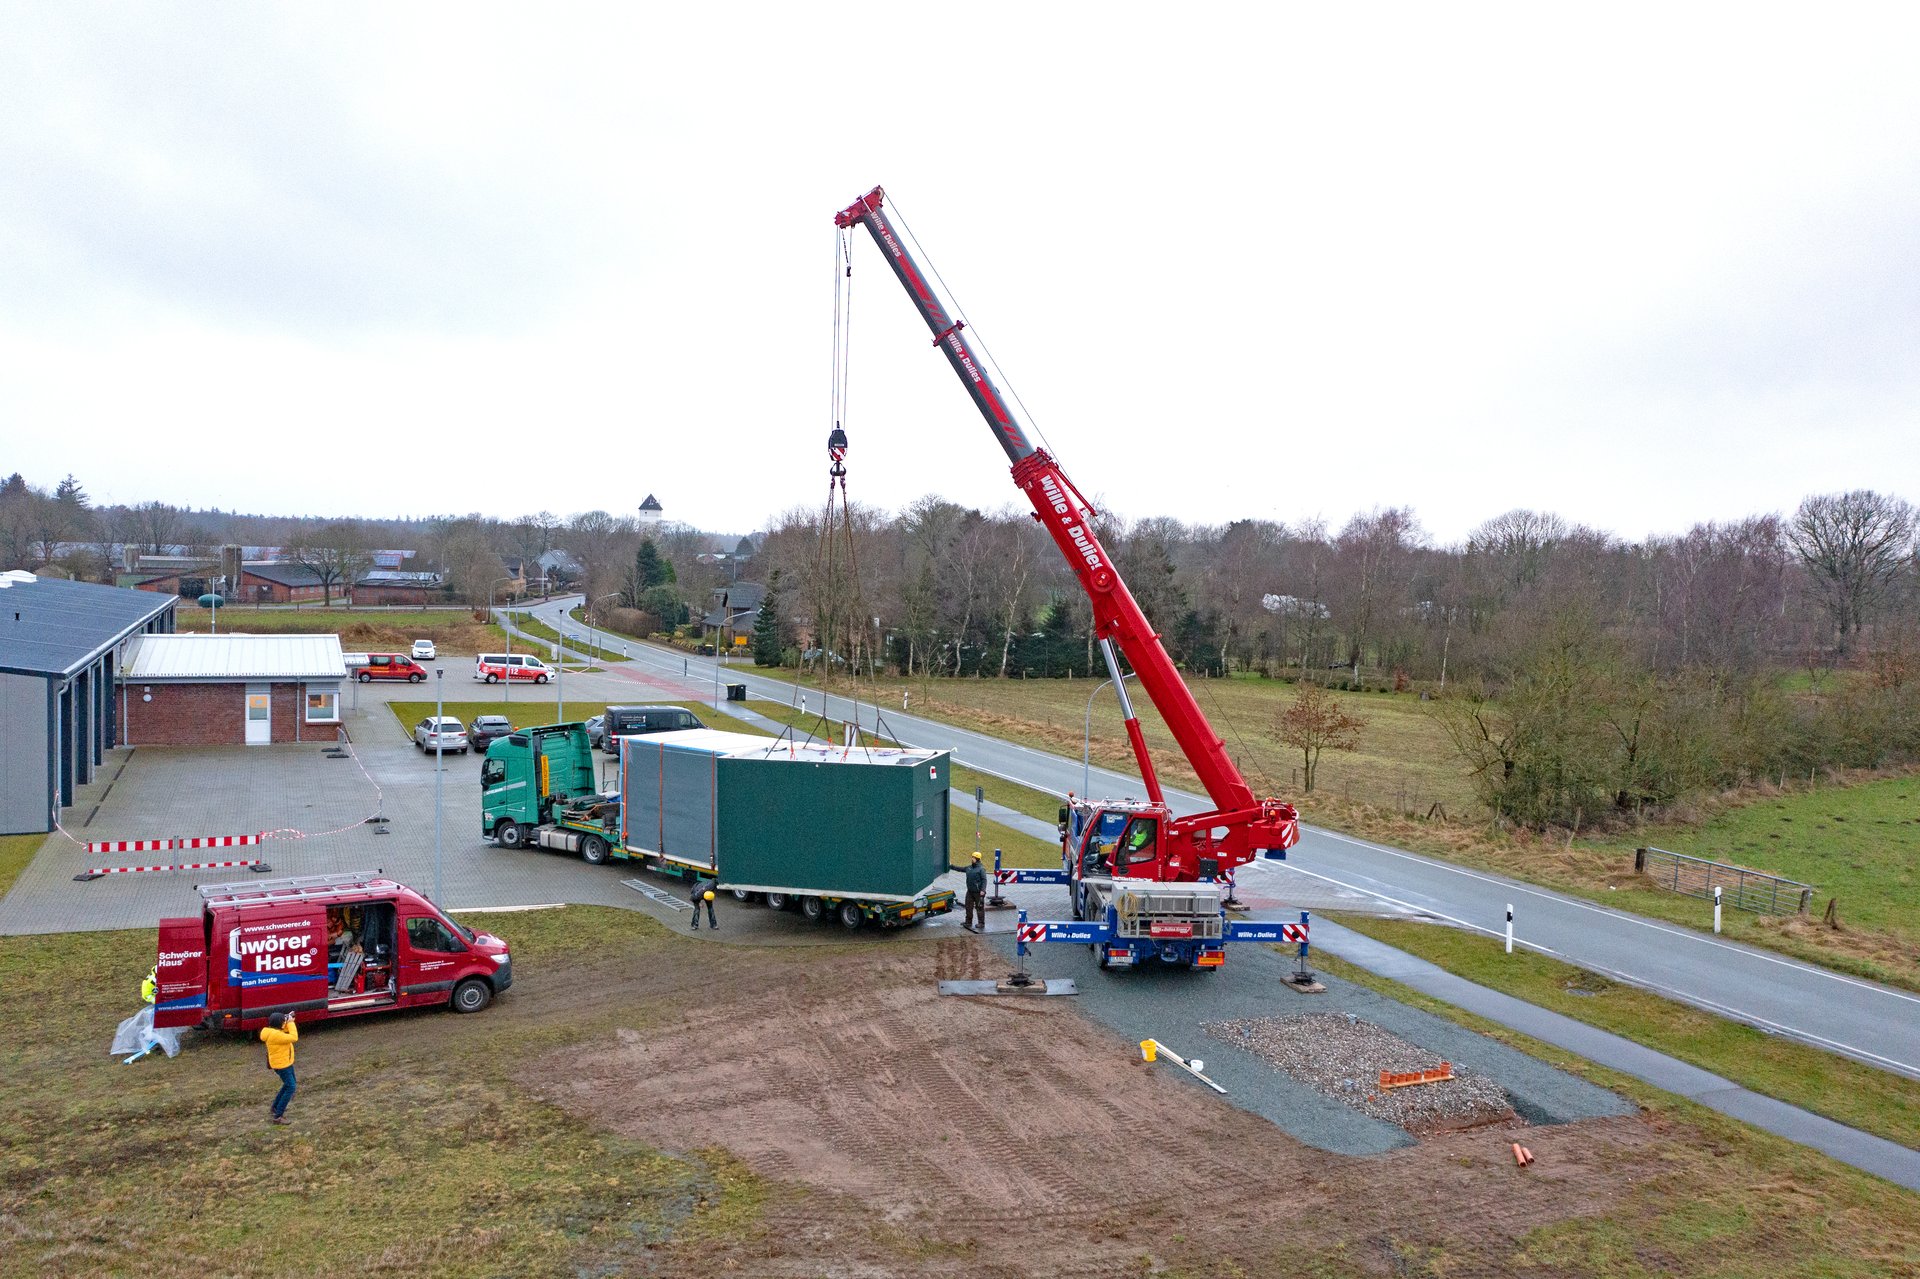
column 323, row 708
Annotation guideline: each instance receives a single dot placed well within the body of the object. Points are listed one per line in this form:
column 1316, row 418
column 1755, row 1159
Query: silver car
column 446, row 733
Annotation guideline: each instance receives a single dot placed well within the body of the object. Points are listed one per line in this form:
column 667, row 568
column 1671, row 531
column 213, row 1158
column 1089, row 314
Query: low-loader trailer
column 856, row 834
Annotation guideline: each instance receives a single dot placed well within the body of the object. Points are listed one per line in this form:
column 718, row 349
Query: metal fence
column 1742, row 889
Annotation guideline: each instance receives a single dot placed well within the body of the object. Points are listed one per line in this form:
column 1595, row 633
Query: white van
column 512, row 667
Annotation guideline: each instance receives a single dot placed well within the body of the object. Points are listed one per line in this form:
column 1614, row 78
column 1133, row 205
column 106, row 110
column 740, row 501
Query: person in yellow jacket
column 280, row 1035
column 148, row 982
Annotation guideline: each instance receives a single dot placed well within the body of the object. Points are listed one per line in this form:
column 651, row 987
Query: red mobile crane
column 1113, row 840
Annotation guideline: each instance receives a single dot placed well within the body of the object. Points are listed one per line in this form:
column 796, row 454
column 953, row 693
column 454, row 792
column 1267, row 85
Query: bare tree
column 156, row 524
column 336, row 553
column 1314, row 723
column 1853, row 546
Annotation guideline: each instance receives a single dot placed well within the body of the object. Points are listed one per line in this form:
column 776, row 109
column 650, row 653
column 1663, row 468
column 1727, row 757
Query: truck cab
column 527, row 773
column 1104, row 841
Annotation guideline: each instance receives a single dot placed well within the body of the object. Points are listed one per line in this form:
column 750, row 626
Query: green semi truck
column 855, row 834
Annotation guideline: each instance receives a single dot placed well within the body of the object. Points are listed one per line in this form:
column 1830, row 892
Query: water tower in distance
column 651, row 512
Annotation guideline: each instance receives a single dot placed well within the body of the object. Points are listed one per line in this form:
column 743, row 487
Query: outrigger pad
column 1049, row 986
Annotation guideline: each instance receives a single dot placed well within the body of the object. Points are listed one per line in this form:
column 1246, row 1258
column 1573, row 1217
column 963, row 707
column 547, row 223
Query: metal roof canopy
column 233, row 656
column 54, row 627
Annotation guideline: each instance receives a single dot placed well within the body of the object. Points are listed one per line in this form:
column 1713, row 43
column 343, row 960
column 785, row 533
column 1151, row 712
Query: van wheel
column 490, row 678
column 511, row 834
column 813, row 908
column 594, row 850
column 851, row 916
column 365, row 678
column 540, row 679
column 471, row 995
column 777, row 901
column 742, row 895
column 415, row 679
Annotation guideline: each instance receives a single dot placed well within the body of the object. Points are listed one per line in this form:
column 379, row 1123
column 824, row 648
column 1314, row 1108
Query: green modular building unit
column 767, row 814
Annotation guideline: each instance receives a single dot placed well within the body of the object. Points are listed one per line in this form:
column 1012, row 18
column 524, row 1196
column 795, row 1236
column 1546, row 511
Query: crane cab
column 1101, row 841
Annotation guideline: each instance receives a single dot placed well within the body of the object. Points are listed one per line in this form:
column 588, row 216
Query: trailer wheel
column 813, row 908
column 778, row 901
column 851, row 916
column 471, row 995
column 510, row 833
column 742, row 895
column 1101, row 951
column 594, row 850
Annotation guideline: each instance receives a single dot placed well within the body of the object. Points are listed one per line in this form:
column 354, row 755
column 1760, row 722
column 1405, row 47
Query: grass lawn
column 451, row 630
column 15, row 852
column 1841, row 1089
column 413, row 1148
column 1404, row 763
column 1724, row 1199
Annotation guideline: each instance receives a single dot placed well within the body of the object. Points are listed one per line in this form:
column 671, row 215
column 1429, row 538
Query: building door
column 259, row 715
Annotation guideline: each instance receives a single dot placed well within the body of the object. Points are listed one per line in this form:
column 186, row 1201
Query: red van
column 387, row 666
column 322, row 946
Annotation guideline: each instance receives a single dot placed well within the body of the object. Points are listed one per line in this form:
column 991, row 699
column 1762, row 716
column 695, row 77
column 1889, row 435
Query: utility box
column 736, row 692
column 766, row 815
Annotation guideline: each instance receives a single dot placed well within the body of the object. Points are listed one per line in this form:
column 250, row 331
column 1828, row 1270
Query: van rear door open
column 180, row 979
column 279, row 960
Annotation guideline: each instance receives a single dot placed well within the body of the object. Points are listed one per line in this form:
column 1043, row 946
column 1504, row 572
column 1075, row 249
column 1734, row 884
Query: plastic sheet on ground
column 137, row 1035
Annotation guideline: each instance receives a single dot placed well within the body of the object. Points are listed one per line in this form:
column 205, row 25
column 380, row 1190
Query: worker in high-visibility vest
column 149, row 984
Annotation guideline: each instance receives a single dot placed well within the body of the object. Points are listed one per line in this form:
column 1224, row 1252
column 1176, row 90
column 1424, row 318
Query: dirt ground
column 911, row 1134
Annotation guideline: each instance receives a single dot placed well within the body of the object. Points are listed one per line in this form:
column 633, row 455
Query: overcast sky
column 1643, row 267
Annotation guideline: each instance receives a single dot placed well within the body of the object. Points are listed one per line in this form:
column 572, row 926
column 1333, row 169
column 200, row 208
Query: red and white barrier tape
column 98, row 872
column 169, row 845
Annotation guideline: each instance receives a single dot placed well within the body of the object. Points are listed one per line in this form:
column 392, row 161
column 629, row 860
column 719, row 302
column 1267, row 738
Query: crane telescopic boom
column 1241, row 826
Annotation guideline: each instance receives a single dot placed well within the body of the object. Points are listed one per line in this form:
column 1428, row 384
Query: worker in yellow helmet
column 149, row 983
column 976, row 918
column 703, row 894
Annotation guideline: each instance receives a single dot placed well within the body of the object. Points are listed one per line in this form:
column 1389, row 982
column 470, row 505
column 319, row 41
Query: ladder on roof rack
column 294, row 887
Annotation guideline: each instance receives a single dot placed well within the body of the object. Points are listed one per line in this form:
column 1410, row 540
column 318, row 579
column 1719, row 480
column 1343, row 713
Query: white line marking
column 1669, row 930
column 1725, row 1010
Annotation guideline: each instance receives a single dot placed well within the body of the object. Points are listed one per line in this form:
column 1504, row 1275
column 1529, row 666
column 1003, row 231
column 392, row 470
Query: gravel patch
column 1342, row 1055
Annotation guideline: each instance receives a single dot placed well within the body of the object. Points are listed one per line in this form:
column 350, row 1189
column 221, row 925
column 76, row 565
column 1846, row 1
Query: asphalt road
column 1861, row 1019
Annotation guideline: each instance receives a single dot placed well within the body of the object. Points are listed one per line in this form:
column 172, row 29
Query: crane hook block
column 837, row 451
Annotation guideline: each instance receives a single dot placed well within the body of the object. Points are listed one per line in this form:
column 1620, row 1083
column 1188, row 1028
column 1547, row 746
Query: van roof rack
column 293, row 888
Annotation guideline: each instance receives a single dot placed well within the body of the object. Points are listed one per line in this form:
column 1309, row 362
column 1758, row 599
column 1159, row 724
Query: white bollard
column 1509, row 928
column 1716, row 910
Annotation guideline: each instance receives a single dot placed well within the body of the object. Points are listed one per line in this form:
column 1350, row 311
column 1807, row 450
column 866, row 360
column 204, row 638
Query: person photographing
column 280, row 1034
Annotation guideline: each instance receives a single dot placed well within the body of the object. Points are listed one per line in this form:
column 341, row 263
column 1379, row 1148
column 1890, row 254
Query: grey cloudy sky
column 1641, row 265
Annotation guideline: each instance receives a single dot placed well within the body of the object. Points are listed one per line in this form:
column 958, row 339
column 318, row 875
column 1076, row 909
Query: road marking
column 1697, row 1001
column 1668, row 929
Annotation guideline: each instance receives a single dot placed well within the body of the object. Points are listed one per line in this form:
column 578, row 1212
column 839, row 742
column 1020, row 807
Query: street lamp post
column 1086, row 741
column 439, row 776
column 506, row 678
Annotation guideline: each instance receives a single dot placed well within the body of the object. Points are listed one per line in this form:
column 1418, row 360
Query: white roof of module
column 715, row 741
column 221, row 657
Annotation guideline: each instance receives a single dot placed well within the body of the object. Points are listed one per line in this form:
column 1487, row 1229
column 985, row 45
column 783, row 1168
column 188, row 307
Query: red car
column 389, row 666
column 321, row 946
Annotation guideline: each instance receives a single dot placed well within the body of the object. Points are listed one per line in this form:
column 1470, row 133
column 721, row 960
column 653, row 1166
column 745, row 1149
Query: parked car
column 447, row 733
column 486, row 730
column 424, row 651
column 637, row 721
column 597, row 731
column 387, row 666
column 513, row 667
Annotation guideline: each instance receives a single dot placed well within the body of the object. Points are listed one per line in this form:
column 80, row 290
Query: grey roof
column 651, row 504
column 285, row 572
column 62, row 626
column 229, row 656
column 393, row 577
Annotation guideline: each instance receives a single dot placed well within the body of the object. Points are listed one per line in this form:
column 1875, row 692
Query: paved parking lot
column 317, row 806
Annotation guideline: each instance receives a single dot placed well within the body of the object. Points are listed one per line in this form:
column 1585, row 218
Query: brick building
column 280, row 582
column 230, row 690
column 390, row 586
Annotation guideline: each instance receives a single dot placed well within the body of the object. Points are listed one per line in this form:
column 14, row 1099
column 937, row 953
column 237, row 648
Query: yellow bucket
column 1150, row 1049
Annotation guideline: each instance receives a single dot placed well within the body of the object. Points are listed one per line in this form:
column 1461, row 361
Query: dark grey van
column 637, row 721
